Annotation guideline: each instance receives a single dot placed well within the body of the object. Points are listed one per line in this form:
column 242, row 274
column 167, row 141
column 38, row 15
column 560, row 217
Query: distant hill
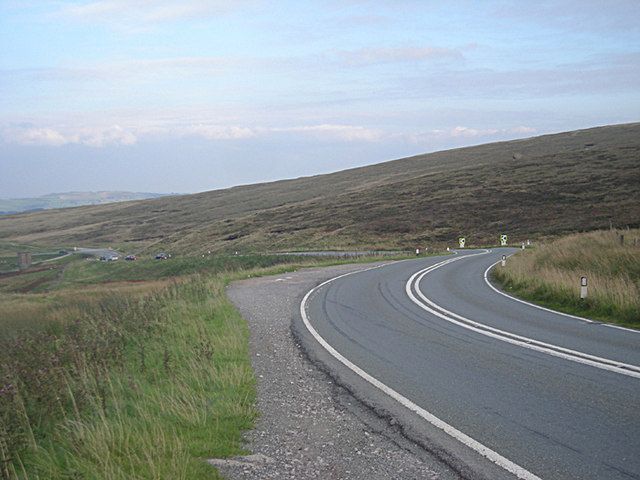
column 69, row 199
column 547, row 185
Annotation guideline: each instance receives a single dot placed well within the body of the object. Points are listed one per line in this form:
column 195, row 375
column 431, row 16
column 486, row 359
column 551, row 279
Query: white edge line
column 530, row 343
column 486, row 452
column 486, row 279
column 527, row 340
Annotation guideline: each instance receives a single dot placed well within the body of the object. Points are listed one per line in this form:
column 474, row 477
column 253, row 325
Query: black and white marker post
column 583, row 287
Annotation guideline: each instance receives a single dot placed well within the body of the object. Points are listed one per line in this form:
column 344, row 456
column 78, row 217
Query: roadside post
column 417, row 252
column 522, row 245
column 504, row 260
column 24, row 260
column 461, row 241
column 583, row 287
column 448, row 249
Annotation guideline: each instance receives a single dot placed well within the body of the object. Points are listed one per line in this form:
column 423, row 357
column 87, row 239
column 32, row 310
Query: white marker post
column 461, row 242
column 583, row 287
column 503, row 240
column 447, row 249
column 523, row 245
column 504, row 260
column 417, row 251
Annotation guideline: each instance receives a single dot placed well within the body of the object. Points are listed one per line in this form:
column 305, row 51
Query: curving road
column 495, row 387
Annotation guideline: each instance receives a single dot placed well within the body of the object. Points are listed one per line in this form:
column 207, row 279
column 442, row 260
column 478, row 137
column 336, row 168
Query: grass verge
column 550, row 275
column 119, row 385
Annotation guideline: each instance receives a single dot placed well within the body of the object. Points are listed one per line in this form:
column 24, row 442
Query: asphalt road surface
column 496, row 388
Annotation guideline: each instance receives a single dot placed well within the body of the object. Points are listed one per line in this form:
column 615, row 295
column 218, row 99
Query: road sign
column 461, row 241
column 503, row 240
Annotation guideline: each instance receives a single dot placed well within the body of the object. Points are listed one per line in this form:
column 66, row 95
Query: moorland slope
column 546, row 185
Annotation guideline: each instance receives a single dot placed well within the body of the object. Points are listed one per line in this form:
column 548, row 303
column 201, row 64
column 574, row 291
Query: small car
column 130, row 258
column 162, row 256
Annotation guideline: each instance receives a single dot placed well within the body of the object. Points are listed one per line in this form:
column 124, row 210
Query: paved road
column 96, row 252
column 536, row 393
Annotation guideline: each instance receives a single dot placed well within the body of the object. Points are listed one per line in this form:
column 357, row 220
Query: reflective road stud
column 583, row 287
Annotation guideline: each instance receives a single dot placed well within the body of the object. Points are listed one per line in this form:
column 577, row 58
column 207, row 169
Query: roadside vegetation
column 550, row 275
column 126, row 370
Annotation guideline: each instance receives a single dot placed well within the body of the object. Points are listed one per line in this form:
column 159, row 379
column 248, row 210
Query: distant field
column 69, row 199
column 533, row 188
column 11, row 262
column 550, row 274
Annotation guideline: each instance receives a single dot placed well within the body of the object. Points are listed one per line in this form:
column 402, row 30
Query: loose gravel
column 310, row 427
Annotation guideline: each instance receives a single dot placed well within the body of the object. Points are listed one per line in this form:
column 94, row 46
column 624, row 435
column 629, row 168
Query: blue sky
column 192, row 95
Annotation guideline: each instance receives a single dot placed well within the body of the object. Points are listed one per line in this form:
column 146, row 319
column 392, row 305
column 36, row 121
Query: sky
column 193, row 95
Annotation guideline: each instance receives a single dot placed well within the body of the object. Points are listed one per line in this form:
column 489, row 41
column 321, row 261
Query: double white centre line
column 412, row 288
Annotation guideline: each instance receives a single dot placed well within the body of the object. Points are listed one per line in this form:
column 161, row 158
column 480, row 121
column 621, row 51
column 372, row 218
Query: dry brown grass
column 552, row 273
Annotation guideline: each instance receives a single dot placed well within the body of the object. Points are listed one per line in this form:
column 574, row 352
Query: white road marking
column 508, row 337
column 486, row 452
column 486, row 279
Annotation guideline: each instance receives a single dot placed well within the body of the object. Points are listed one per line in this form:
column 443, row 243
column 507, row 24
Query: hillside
column 535, row 187
column 69, row 199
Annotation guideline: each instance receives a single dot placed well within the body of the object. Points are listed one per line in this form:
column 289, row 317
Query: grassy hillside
column 528, row 188
column 69, row 199
column 550, row 274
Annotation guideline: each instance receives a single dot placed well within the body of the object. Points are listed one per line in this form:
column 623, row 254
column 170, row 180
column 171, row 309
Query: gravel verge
column 310, row 427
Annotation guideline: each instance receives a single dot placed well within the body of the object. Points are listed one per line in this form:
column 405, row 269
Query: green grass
column 125, row 385
column 550, row 275
column 10, row 262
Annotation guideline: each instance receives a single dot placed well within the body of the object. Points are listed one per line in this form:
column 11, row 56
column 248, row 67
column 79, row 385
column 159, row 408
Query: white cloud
column 127, row 13
column 347, row 133
column 97, row 136
column 126, row 70
column 461, row 132
column 140, row 129
column 35, row 136
column 55, row 137
column 215, row 132
column 369, row 56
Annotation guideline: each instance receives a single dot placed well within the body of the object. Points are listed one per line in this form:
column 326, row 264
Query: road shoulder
column 309, row 426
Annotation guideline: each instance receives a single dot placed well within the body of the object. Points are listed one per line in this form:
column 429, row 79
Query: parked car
column 162, row 256
column 130, row 258
column 112, row 258
column 63, row 252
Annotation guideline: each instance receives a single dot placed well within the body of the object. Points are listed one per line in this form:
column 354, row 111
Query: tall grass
column 551, row 273
column 123, row 385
